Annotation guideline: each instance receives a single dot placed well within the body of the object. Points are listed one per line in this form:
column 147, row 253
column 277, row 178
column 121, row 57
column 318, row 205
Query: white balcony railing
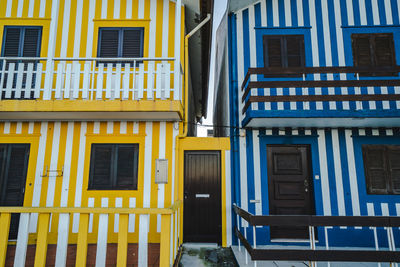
column 88, row 78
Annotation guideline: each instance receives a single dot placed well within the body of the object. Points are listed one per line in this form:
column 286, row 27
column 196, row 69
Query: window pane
column 132, row 43
column 31, row 43
column 362, row 51
column 394, row 167
column 100, row 171
column 383, row 50
column 127, row 166
column 11, row 45
column 375, row 169
column 274, row 52
column 109, row 43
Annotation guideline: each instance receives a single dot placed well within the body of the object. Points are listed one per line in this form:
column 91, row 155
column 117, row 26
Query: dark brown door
column 289, row 186
column 202, row 197
column 13, row 170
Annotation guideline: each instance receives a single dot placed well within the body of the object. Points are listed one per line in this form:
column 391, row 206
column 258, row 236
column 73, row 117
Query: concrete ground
column 206, row 255
column 241, row 259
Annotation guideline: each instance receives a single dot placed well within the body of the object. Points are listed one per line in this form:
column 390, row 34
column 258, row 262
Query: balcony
column 90, row 89
column 321, row 97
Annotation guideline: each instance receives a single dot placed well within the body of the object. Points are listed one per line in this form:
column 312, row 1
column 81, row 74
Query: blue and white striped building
column 335, row 131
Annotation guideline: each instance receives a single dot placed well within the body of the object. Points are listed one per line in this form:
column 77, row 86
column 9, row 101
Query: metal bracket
column 58, row 173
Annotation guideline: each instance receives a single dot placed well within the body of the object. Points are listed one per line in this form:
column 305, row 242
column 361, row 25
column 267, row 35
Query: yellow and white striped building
column 66, row 100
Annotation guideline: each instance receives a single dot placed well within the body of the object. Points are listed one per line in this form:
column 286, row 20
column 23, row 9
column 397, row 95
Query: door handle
column 185, row 195
column 306, row 185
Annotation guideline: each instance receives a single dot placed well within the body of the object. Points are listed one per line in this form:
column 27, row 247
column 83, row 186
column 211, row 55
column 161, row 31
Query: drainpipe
column 185, row 116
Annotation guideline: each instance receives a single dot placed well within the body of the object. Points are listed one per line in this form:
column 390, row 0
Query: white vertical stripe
column 147, row 164
column 42, row 10
column 253, row 56
column 132, row 204
column 104, row 9
column 338, row 172
column 7, row 126
column 53, row 168
column 77, row 41
column 388, row 11
column 20, row 8
column 8, row 8
column 240, row 59
column 89, row 44
column 129, row 9
column 174, row 134
column 281, row 132
column 135, row 128
column 228, row 192
column 141, row 9
column 363, row 12
column 398, row 209
column 339, row 33
column 96, row 127
column 326, row 199
column 122, row 127
column 352, row 174
column 65, row 28
column 31, row 7
column 268, row 132
column 389, row 131
column 288, row 14
column 257, row 171
column 143, row 237
column 19, row 128
column 327, row 35
column 116, row 9
column 31, row 127
column 243, row 176
column 22, row 241
column 79, row 175
column 101, row 251
column 161, row 187
column 118, row 204
column 62, row 239
column 38, row 175
column 375, row 132
column 263, row 14
column 165, row 27
column 91, row 205
column 370, row 209
column 300, row 15
column 385, row 209
column 275, row 12
column 361, row 132
column 314, row 37
column 350, row 12
column 308, row 132
column 375, row 12
column 110, row 127
column 295, row 132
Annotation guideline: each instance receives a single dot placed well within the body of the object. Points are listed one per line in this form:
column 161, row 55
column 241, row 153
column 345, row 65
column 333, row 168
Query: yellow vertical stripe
column 154, row 187
column 122, row 10
column 4, row 229
column 48, row 8
column 41, row 245
column 71, row 30
column 165, row 239
column 110, row 9
column 171, row 33
column 47, row 160
column 135, row 9
column 159, row 40
column 36, row 8
column 59, row 28
column 25, row 127
column 147, row 9
column 74, row 164
column 25, row 9
column 97, row 14
column 168, row 155
column 122, row 240
column 84, row 28
column 14, row 8
column 3, row 7
column 81, row 250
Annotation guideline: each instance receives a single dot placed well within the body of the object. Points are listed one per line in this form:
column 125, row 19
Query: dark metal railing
column 313, row 221
column 380, row 78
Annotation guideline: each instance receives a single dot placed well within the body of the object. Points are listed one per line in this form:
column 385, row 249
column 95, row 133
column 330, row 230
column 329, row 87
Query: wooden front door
column 202, row 197
column 13, row 170
column 289, row 186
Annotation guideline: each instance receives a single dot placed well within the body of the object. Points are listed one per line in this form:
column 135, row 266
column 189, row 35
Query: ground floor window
column 382, row 168
column 114, row 167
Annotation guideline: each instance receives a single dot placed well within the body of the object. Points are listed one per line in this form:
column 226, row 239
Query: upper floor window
column 382, row 168
column 284, row 51
column 374, row 50
column 114, row 167
column 21, row 41
column 120, row 42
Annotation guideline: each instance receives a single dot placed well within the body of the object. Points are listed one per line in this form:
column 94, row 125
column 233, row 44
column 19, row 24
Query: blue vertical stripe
column 331, row 172
column 345, row 173
column 382, row 12
column 293, row 6
column 395, row 11
column 356, row 12
column 368, row 8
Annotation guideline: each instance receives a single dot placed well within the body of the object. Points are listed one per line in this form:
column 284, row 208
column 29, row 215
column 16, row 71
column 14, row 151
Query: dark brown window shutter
column 274, row 52
column 12, row 41
column 394, row 167
column 101, row 167
column 362, row 51
column 127, row 166
column 132, row 43
column 109, row 43
column 295, row 51
column 31, row 43
column 375, row 169
column 384, row 52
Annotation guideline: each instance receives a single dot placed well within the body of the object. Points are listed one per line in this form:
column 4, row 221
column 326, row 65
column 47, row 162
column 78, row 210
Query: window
column 114, row 167
column 120, row 42
column 382, row 168
column 374, row 50
column 284, row 51
column 21, row 41
column 13, row 170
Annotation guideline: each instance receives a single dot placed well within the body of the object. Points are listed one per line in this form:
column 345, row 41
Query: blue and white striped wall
column 337, row 162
